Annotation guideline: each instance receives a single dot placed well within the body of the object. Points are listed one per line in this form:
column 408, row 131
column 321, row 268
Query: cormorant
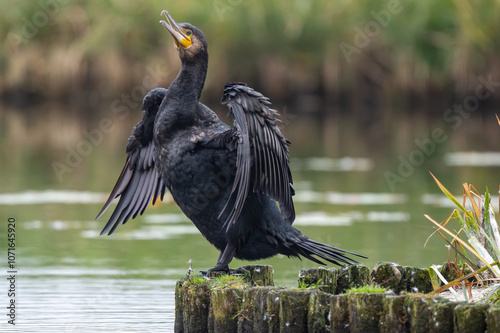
column 226, row 180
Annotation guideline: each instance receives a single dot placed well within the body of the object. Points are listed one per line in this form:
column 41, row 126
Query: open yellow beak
column 177, row 32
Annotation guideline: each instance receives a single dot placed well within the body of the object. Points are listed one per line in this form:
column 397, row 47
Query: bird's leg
column 225, row 258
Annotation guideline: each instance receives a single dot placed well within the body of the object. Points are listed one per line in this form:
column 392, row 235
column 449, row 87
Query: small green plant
column 195, row 280
column 303, row 285
column 369, row 288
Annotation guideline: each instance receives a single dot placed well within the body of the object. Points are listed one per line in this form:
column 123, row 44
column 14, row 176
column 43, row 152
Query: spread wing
column 139, row 182
column 262, row 152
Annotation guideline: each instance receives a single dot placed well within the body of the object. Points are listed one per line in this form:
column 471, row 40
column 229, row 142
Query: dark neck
column 191, row 79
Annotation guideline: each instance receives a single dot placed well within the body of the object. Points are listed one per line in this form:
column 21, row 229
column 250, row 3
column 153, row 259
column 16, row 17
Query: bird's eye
column 189, row 32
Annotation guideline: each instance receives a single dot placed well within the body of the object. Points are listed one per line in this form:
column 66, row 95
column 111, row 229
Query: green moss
column 389, row 275
column 220, row 282
column 366, row 289
column 339, row 317
column 195, row 302
column 318, row 314
column 303, row 285
column 225, row 308
column 318, row 278
column 195, row 280
column 395, row 316
column 228, row 281
column 293, row 310
column 418, row 279
column 351, row 277
column 493, row 319
column 470, row 317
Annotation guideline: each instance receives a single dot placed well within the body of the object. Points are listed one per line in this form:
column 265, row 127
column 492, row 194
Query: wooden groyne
column 249, row 302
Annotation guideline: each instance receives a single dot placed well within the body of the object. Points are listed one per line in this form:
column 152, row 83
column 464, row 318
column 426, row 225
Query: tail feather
column 336, row 248
column 306, row 254
column 309, row 248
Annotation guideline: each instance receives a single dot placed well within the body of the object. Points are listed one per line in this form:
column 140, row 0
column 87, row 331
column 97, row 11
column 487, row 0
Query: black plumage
column 226, row 180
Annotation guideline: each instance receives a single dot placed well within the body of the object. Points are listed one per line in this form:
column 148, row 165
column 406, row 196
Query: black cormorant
column 226, row 180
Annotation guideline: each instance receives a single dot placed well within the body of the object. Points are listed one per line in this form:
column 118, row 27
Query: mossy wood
column 240, row 304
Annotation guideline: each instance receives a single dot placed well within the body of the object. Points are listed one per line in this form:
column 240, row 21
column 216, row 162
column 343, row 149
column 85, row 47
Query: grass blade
column 441, row 277
column 467, row 191
column 450, row 196
column 434, row 278
column 467, row 246
column 485, row 256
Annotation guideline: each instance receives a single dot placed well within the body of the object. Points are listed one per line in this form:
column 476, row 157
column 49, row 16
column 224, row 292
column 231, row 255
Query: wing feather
column 262, row 152
column 139, row 182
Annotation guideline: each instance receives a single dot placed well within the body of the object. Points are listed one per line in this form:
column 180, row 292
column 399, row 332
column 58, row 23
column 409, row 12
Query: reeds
column 475, row 259
column 56, row 47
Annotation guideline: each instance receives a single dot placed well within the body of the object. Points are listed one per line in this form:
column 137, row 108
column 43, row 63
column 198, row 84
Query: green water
column 71, row 279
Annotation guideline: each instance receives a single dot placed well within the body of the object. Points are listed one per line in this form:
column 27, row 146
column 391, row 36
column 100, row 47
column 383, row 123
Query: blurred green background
column 339, row 48
column 362, row 87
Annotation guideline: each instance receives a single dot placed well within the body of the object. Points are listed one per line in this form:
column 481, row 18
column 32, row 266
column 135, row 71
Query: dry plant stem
column 459, row 280
column 455, row 237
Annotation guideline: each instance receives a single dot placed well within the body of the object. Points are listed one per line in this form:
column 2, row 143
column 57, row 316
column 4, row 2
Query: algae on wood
column 365, row 311
column 352, row 276
column 225, row 305
column 254, row 275
column 493, row 319
column 470, row 318
column 254, row 312
column 320, row 278
column 191, row 307
column 395, row 317
column 442, row 315
column 418, row 280
column 419, row 309
column 318, row 315
column 293, row 310
column 390, row 276
column 273, row 310
column 179, row 308
column 257, row 275
column 229, row 304
column 339, row 316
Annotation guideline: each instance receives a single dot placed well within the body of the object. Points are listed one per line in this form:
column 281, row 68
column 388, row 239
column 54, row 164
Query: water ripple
column 333, row 164
column 472, row 158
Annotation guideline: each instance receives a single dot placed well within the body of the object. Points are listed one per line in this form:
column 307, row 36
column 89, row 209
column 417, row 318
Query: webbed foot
column 217, row 270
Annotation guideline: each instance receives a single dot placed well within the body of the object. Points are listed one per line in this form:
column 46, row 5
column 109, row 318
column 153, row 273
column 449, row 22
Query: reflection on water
column 320, row 218
column 72, row 279
column 442, row 201
column 338, row 198
column 51, row 196
column 63, row 299
column 332, row 164
column 148, row 232
column 472, row 158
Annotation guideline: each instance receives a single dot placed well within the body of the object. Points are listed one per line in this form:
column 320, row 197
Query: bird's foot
column 217, row 270
column 211, row 273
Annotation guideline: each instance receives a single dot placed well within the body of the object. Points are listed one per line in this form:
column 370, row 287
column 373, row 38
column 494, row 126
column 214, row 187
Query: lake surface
column 362, row 188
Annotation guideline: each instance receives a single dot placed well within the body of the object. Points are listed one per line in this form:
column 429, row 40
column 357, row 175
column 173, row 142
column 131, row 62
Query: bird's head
column 188, row 39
